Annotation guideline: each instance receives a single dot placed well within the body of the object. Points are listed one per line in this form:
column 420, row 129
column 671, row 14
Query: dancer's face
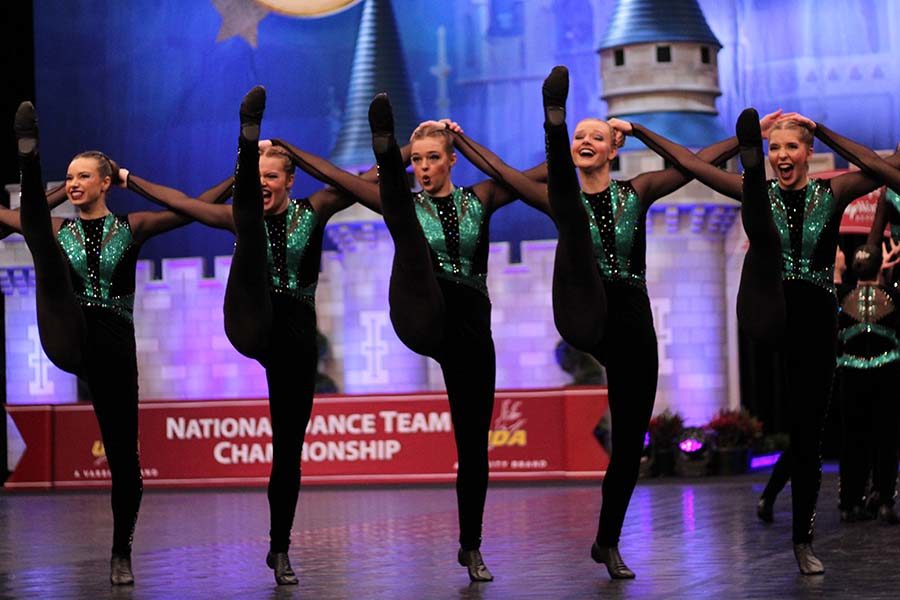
column 276, row 184
column 432, row 162
column 84, row 185
column 593, row 145
column 789, row 157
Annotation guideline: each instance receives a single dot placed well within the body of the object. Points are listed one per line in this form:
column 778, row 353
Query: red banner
column 859, row 214
column 391, row 439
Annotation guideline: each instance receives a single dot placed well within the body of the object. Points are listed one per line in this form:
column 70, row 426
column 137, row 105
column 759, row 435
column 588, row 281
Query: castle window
column 663, row 54
column 619, row 57
column 704, row 55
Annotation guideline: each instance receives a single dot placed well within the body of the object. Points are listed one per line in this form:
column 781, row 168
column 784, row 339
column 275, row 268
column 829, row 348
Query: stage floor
column 683, row 538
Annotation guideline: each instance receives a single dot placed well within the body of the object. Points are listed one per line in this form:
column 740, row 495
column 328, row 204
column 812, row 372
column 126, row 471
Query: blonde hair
column 279, row 152
column 804, row 132
column 435, row 131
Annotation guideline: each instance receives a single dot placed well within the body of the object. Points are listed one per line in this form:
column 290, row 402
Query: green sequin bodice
column 618, row 230
column 101, row 254
column 289, row 235
column 805, row 251
column 455, row 230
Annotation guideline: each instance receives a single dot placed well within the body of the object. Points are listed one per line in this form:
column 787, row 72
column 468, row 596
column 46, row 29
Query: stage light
column 693, row 441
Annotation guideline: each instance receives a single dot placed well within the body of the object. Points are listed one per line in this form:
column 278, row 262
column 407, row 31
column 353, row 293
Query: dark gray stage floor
column 683, row 538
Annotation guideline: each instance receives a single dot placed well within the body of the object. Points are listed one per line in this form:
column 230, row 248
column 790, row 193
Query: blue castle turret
column 658, row 65
column 378, row 66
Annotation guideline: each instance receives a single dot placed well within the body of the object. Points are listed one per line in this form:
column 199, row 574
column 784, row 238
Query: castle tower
column 378, row 66
column 658, row 65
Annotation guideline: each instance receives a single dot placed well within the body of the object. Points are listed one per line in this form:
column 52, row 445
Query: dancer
column 270, row 295
column 869, row 357
column 438, row 295
column 805, row 213
column 84, row 275
column 603, row 218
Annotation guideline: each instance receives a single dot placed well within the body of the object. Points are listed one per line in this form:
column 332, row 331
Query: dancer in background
column 805, row 213
column 84, row 288
column 869, row 361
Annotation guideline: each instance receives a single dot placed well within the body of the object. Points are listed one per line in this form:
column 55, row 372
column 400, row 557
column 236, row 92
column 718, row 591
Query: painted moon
column 307, row 8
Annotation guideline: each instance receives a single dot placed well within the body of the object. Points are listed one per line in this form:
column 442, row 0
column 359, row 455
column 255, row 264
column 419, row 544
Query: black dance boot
column 855, row 513
column 120, row 570
column 609, row 556
column 887, row 515
column 252, row 107
column 765, row 510
column 472, row 560
column 807, row 561
column 555, row 91
column 749, row 139
column 281, row 564
column 381, row 122
column 26, row 129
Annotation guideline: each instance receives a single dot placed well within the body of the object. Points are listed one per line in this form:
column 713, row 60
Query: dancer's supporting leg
column 632, row 363
column 468, row 363
column 248, row 307
column 112, row 377
column 810, row 357
column 760, row 304
column 60, row 320
column 856, row 398
column 416, row 302
column 884, row 435
column 781, row 474
column 579, row 300
column 291, row 374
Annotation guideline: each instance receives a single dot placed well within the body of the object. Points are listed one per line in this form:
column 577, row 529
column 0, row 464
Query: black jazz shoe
column 281, row 564
column 887, row 514
column 765, row 510
column 472, row 560
column 120, row 570
column 609, row 556
column 807, row 561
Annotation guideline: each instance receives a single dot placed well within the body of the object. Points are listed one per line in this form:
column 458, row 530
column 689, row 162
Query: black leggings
column 870, row 413
column 450, row 322
column 290, row 362
column 809, row 349
column 280, row 333
column 629, row 353
column 93, row 343
column 781, row 474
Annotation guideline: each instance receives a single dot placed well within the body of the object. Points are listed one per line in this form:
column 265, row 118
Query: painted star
column 240, row 18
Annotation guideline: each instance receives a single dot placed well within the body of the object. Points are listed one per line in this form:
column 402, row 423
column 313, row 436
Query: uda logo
column 508, row 428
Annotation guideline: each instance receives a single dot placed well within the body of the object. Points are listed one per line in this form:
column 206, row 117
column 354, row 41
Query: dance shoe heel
column 609, row 556
column 472, row 560
column 120, row 570
column 281, row 565
column 807, row 561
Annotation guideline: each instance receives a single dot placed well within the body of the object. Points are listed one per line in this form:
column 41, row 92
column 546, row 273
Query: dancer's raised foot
column 381, row 122
column 765, row 510
column 474, row 563
column 281, row 565
column 252, row 107
column 749, row 139
column 609, row 556
column 26, row 129
column 555, row 91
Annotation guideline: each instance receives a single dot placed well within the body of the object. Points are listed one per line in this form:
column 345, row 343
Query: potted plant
column 694, row 453
column 733, row 432
column 663, row 433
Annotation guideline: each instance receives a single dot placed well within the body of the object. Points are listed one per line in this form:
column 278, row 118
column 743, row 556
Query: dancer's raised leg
column 579, row 299
column 416, row 302
column 248, row 307
column 60, row 320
